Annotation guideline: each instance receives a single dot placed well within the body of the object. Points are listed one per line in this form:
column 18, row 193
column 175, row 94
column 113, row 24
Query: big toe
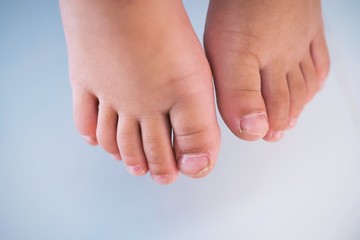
column 238, row 88
column 196, row 135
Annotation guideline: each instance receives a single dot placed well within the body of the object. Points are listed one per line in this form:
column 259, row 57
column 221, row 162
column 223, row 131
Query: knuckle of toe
column 108, row 145
column 280, row 120
column 299, row 99
column 153, row 150
column 189, row 132
column 107, row 142
column 204, row 143
column 129, row 150
column 156, row 167
column 159, row 168
column 101, row 136
column 196, row 138
column 131, row 159
column 281, row 125
column 279, row 98
column 279, row 107
column 193, row 130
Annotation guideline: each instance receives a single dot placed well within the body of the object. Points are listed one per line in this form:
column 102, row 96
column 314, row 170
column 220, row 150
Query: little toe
column 106, row 130
column 277, row 99
column 311, row 78
column 320, row 56
column 85, row 107
column 156, row 138
column 196, row 135
column 298, row 94
column 130, row 145
column 238, row 88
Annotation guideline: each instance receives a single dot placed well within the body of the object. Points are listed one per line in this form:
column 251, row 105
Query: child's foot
column 269, row 58
column 137, row 71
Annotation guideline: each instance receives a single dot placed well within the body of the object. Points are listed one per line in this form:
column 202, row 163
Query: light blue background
column 54, row 186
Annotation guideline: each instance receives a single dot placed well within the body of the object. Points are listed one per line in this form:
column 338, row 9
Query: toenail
column 136, row 170
column 255, row 124
column 292, row 123
column 90, row 140
column 194, row 165
column 276, row 136
column 116, row 156
column 163, row 179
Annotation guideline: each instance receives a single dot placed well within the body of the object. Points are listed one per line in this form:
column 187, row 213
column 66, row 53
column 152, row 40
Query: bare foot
column 269, row 58
column 138, row 72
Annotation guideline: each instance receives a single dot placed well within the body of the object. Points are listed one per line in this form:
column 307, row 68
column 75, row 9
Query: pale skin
column 138, row 73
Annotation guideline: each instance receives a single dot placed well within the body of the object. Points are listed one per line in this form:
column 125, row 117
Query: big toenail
column 136, row 170
column 292, row 123
column 255, row 124
column 116, row 156
column 194, row 165
column 90, row 140
column 163, row 179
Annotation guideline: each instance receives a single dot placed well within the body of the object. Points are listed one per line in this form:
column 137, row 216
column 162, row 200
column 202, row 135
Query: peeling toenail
column 163, row 179
column 255, row 124
column 194, row 165
column 90, row 140
column 116, row 156
column 136, row 170
column 292, row 123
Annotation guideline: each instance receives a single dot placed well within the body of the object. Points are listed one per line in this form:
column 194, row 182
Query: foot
column 139, row 75
column 269, row 58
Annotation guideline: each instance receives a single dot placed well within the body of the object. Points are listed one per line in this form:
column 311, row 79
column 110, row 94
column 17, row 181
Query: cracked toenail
column 116, row 156
column 255, row 124
column 90, row 140
column 136, row 170
column 194, row 165
column 163, row 179
column 292, row 123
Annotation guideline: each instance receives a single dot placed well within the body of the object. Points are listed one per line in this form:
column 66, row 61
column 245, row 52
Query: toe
column 311, row 79
column 130, row 145
column 320, row 56
column 277, row 98
column 156, row 138
column 238, row 89
column 196, row 135
column 298, row 93
column 86, row 114
column 106, row 130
